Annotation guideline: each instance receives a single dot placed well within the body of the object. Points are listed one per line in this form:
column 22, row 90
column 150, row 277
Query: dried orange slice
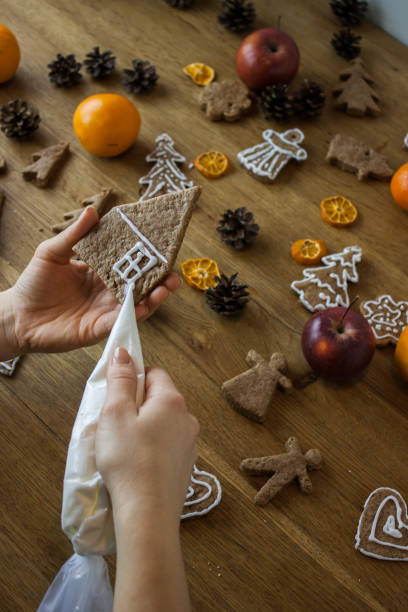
column 338, row 211
column 308, row 251
column 212, row 164
column 199, row 273
column 201, row 74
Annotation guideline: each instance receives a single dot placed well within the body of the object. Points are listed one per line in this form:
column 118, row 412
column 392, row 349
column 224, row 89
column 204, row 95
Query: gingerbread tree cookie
column 285, row 468
column 228, row 100
column 326, row 286
column 386, row 317
column 356, row 96
column 264, row 161
column 100, row 201
column 165, row 176
column 45, row 164
column 354, row 156
column 250, row 393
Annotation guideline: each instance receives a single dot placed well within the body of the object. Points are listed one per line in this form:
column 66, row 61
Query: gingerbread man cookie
column 285, row 468
column 382, row 530
column 250, row 393
column 386, row 317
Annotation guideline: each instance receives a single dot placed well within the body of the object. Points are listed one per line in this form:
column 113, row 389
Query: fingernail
column 121, row 355
column 180, row 282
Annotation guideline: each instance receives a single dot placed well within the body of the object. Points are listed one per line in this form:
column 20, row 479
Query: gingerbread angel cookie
column 228, row 100
column 251, row 392
column 294, row 464
column 203, row 494
column 386, row 317
column 326, row 286
column 382, row 531
column 264, row 161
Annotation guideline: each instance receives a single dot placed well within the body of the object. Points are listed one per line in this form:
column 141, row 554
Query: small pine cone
column 237, row 15
column 275, row 103
column 180, row 4
column 64, row 71
column 309, row 100
column 346, row 45
column 228, row 297
column 99, row 65
column 237, row 228
column 142, row 78
column 349, row 12
column 19, row 119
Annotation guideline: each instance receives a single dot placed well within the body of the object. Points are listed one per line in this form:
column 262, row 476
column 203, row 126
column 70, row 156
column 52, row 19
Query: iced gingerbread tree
column 165, row 176
column 326, row 286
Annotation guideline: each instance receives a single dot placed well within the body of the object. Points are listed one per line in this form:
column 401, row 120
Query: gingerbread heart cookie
column 203, row 494
column 382, row 531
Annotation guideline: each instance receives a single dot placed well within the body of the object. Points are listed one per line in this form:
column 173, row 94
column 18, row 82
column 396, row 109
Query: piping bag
column 82, row 584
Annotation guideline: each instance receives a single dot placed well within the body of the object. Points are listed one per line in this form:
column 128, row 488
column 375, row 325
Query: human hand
column 145, row 456
column 59, row 304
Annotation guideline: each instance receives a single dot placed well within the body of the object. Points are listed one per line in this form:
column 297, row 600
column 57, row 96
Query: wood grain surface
column 298, row 552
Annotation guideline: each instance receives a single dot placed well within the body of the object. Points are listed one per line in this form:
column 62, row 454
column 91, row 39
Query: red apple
column 338, row 343
column 266, row 57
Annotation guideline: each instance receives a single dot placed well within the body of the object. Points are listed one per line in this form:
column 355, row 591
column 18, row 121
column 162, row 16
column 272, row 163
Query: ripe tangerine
column 399, row 186
column 401, row 354
column 106, row 124
column 9, row 54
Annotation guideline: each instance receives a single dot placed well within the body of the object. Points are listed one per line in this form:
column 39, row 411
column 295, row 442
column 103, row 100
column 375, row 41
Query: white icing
column 172, row 178
column 390, row 529
column 128, row 267
column 392, row 319
column 343, row 271
column 267, row 159
column 195, row 479
column 400, row 510
column 406, row 141
column 7, row 367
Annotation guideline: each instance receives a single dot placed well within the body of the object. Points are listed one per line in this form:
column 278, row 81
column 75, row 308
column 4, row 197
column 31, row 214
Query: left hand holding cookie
column 59, row 304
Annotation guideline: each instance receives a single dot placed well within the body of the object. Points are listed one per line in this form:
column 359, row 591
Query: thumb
column 59, row 248
column 122, row 382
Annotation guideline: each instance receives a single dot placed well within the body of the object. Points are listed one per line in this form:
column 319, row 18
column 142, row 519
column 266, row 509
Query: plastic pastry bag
column 86, row 508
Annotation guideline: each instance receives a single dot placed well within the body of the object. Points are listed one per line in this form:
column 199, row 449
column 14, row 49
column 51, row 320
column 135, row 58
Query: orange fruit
column 199, row 273
column 201, row 74
column 9, row 54
column 212, row 164
column 308, row 251
column 399, row 186
column 401, row 354
column 338, row 211
column 106, row 124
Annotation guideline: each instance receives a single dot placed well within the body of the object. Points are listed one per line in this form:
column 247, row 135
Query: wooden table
column 298, row 552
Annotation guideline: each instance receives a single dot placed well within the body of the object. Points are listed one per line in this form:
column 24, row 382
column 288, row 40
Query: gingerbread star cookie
column 382, row 531
column 386, row 317
column 203, row 494
column 251, row 392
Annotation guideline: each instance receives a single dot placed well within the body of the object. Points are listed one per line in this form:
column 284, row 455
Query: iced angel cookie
column 326, row 286
column 386, row 317
column 264, row 161
column 203, row 494
column 137, row 244
column 382, row 531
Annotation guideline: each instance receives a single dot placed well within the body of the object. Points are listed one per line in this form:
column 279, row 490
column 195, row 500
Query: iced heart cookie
column 137, row 244
column 203, row 494
column 386, row 317
column 382, row 531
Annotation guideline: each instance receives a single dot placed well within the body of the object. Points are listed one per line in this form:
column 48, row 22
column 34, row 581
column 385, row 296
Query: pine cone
column 349, row 12
column 64, row 71
column 180, row 4
column 309, row 100
column 237, row 15
column 275, row 103
column 237, row 228
column 346, row 44
column 142, row 78
column 99, row 65
column 228, row 297
column 18, row 118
